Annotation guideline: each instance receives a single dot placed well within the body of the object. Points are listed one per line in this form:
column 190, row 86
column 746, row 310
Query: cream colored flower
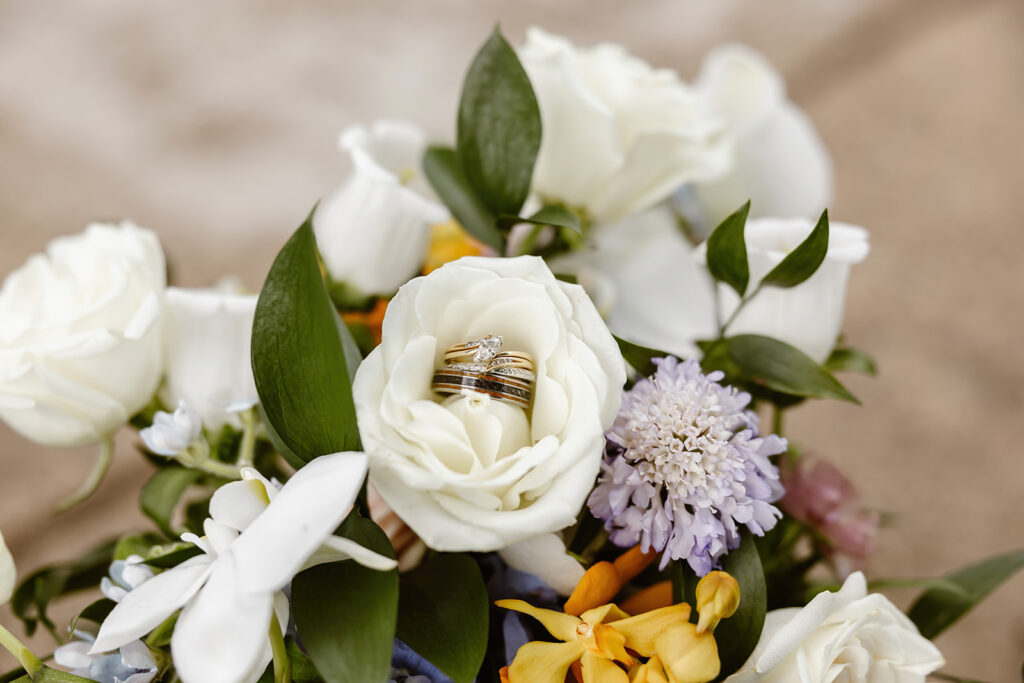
column 471, row 473
column 80, row 335
column 619, row 136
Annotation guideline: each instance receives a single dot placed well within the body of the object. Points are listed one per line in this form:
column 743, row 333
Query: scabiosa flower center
column 685, row 467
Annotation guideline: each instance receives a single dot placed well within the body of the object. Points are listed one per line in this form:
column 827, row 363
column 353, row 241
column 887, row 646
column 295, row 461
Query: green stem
column 282, row 665
column 247, row 449
column 777, row 415
column 32, row 664
column 739, row 307
column 198, row 457
column 93, row 479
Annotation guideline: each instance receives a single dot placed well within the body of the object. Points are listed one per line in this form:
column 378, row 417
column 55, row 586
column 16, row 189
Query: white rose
column 846, row 636
column 780, row 162
column 80, row 335
column 619, row 136
column 646, row 282
column 374, row 231
column 472, row 473
column 8, row 574
column 207, row 334
column 810, row 315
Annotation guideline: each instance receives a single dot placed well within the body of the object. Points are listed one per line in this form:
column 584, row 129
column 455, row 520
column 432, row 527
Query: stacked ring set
column 480, row 366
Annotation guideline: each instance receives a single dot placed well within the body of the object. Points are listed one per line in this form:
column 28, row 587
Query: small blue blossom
column 685, row 467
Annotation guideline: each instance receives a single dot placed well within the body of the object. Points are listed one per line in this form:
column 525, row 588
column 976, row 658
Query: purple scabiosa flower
column 685, row 467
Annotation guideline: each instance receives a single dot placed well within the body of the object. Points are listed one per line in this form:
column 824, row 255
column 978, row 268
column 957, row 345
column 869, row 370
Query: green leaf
column 727, row 251
column 738, row 635
column 303, row 669
column 443, row 614
column 171, row 555
column 96, row 612
column 48, row 675
column 444, row 171
column 782, row 368
column 138, row 543
column 640, row 358
column 928, row 582
column 551, row 214
column 939, row 607
column 299, row 356
column 162, row 492
column 499, row 127
column 35, row 593
column 845, row 359
column 346, row 614
column 802, row 262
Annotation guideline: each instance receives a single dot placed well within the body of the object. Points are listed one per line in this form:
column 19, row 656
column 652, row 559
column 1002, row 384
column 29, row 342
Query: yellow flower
column 599, row 639
column 603, row 581
column 718, row 596
column 449, row 242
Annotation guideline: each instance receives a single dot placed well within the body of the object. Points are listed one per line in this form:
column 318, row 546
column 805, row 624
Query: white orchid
column 173, row 433
column 257, row 539
column 132, row 663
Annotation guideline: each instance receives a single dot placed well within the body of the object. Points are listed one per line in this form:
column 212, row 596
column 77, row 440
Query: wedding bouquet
column 507, row 410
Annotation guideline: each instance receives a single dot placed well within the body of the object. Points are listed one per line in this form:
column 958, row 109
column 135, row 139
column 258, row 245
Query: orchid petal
column 538, row 662
column 603, row 614
column 558, row 624
column 239, row 503
column 8, row 574
column 643, row 630
column 598, row 669
column 143, row 609
column 221, row 636
column 337, row 548
column 298, row 520
column 688, row 656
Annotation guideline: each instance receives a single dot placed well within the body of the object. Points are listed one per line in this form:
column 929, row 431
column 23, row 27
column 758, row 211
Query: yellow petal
column 650, row 598
column 688, row 656
column 603, row 614
column 718, row 596
column 539, row 662
column 597, row 669
column 599, row 585
column 650, row 672
column 561, row 626
column 642, row 630
column 611, row 643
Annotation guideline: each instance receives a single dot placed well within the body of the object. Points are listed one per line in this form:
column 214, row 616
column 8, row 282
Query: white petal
column 238, row 503
column 337, row 548
column 301, row 517
column 207, row 334
column 73, row 655
column 8, row 573
column 221, row 635
column 545, row 557
column 144, row 608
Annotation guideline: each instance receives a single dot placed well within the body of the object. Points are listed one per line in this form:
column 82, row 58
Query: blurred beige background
column 214, row 124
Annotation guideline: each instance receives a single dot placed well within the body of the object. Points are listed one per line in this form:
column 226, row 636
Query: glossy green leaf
column 727, row 251
column 499, row 127
column 802, row 262
column 95, row 612
column 783, row 368
column 138, row 543
column 443, row 169
column 161, row 494
column 553, row 215
column 939, row 607
column 845, row 359
column 299, row 358
column 737, row 636
column 640, row 358
column 346, row 613
column 443, row 614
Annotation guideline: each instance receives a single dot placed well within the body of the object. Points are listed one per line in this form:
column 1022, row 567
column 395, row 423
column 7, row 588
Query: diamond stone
column 487, row 348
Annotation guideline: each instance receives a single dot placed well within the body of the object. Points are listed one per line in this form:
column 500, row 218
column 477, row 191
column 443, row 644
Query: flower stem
column 282, row 665
column 93, row 479
column 739, row 307
column 32, row 664
column 247, row 449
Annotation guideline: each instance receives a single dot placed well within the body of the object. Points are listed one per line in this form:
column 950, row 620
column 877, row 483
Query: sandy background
column 214, row 124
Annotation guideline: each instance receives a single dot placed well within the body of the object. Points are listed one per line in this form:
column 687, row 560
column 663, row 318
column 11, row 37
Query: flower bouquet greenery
column 507, row 410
